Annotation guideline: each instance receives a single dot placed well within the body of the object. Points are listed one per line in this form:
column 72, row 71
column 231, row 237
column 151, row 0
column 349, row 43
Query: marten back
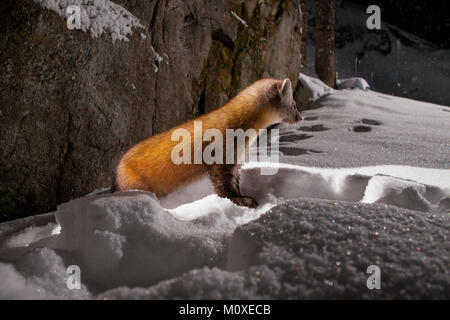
column 149, row 166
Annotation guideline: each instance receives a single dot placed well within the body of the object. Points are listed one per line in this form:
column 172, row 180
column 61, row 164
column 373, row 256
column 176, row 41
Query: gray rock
column 71, row 105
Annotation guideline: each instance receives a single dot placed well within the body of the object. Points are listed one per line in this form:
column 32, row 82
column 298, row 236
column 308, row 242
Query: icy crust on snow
column 98, row 16
column 310, row 248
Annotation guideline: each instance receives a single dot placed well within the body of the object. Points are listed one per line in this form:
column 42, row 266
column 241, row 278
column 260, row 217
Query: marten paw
column 245, row 202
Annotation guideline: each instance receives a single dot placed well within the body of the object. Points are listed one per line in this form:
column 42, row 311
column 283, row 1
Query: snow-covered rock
column 310, row 89
column 352, row 83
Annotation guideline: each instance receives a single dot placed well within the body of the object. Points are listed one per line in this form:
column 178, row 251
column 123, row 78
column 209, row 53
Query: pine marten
column 149, row 166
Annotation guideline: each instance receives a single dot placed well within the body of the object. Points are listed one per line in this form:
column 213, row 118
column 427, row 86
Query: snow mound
column 413, row 188
column 352, row 83
column 23, row 238
column 199, row 199
column 131, row 239
column 311, row 89
column 98, row 17
column 223, row 207
column 112, row 218
column 318, row 249
column 421, row 189
column 128, row 238
column 403, row 194
column 116, row 239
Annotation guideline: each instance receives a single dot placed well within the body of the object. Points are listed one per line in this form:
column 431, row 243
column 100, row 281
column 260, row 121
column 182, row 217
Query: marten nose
column 298, row 117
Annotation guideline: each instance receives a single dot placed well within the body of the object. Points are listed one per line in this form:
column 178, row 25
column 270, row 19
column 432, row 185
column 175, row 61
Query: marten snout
column 288, row 108
column 293, row 117
column 297, row 114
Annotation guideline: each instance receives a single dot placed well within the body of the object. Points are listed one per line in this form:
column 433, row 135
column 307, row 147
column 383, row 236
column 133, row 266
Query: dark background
column 429, row 20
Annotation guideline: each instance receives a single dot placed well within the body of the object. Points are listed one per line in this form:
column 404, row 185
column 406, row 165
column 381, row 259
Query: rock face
column 71, row 105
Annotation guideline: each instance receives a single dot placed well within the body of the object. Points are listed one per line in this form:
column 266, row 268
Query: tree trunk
column 304, row 7
column 324, row 65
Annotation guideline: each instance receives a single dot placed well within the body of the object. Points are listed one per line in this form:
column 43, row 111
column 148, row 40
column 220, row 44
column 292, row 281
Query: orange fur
column 148, row 165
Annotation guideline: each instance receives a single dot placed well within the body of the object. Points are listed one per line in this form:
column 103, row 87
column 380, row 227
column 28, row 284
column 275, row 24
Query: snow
column 98, row 17
column 128, row 238
column 385, row 184
column 321, row 249
column 158, row 59
column 407, row 194
column 311, row 89
column 242, row 21
column 335, row 183
column 41, row 274
column 27, row 236
column 365, row 184
column 354, row 128
column 352, row 83
column 212, row 204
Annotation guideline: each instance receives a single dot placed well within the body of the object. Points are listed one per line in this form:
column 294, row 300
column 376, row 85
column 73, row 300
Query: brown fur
column 148, row 165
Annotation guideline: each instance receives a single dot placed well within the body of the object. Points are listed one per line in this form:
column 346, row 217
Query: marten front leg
column 225, row 179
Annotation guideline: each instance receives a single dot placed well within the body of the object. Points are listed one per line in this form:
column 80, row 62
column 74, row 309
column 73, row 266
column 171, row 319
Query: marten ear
column 286, row 90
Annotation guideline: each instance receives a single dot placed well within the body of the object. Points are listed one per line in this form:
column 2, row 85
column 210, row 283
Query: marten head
column 276, row 98
column 284, row 103
column 271, row 99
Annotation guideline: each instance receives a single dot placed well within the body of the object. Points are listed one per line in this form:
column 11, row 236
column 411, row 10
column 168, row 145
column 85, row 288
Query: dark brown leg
column 225, row 179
